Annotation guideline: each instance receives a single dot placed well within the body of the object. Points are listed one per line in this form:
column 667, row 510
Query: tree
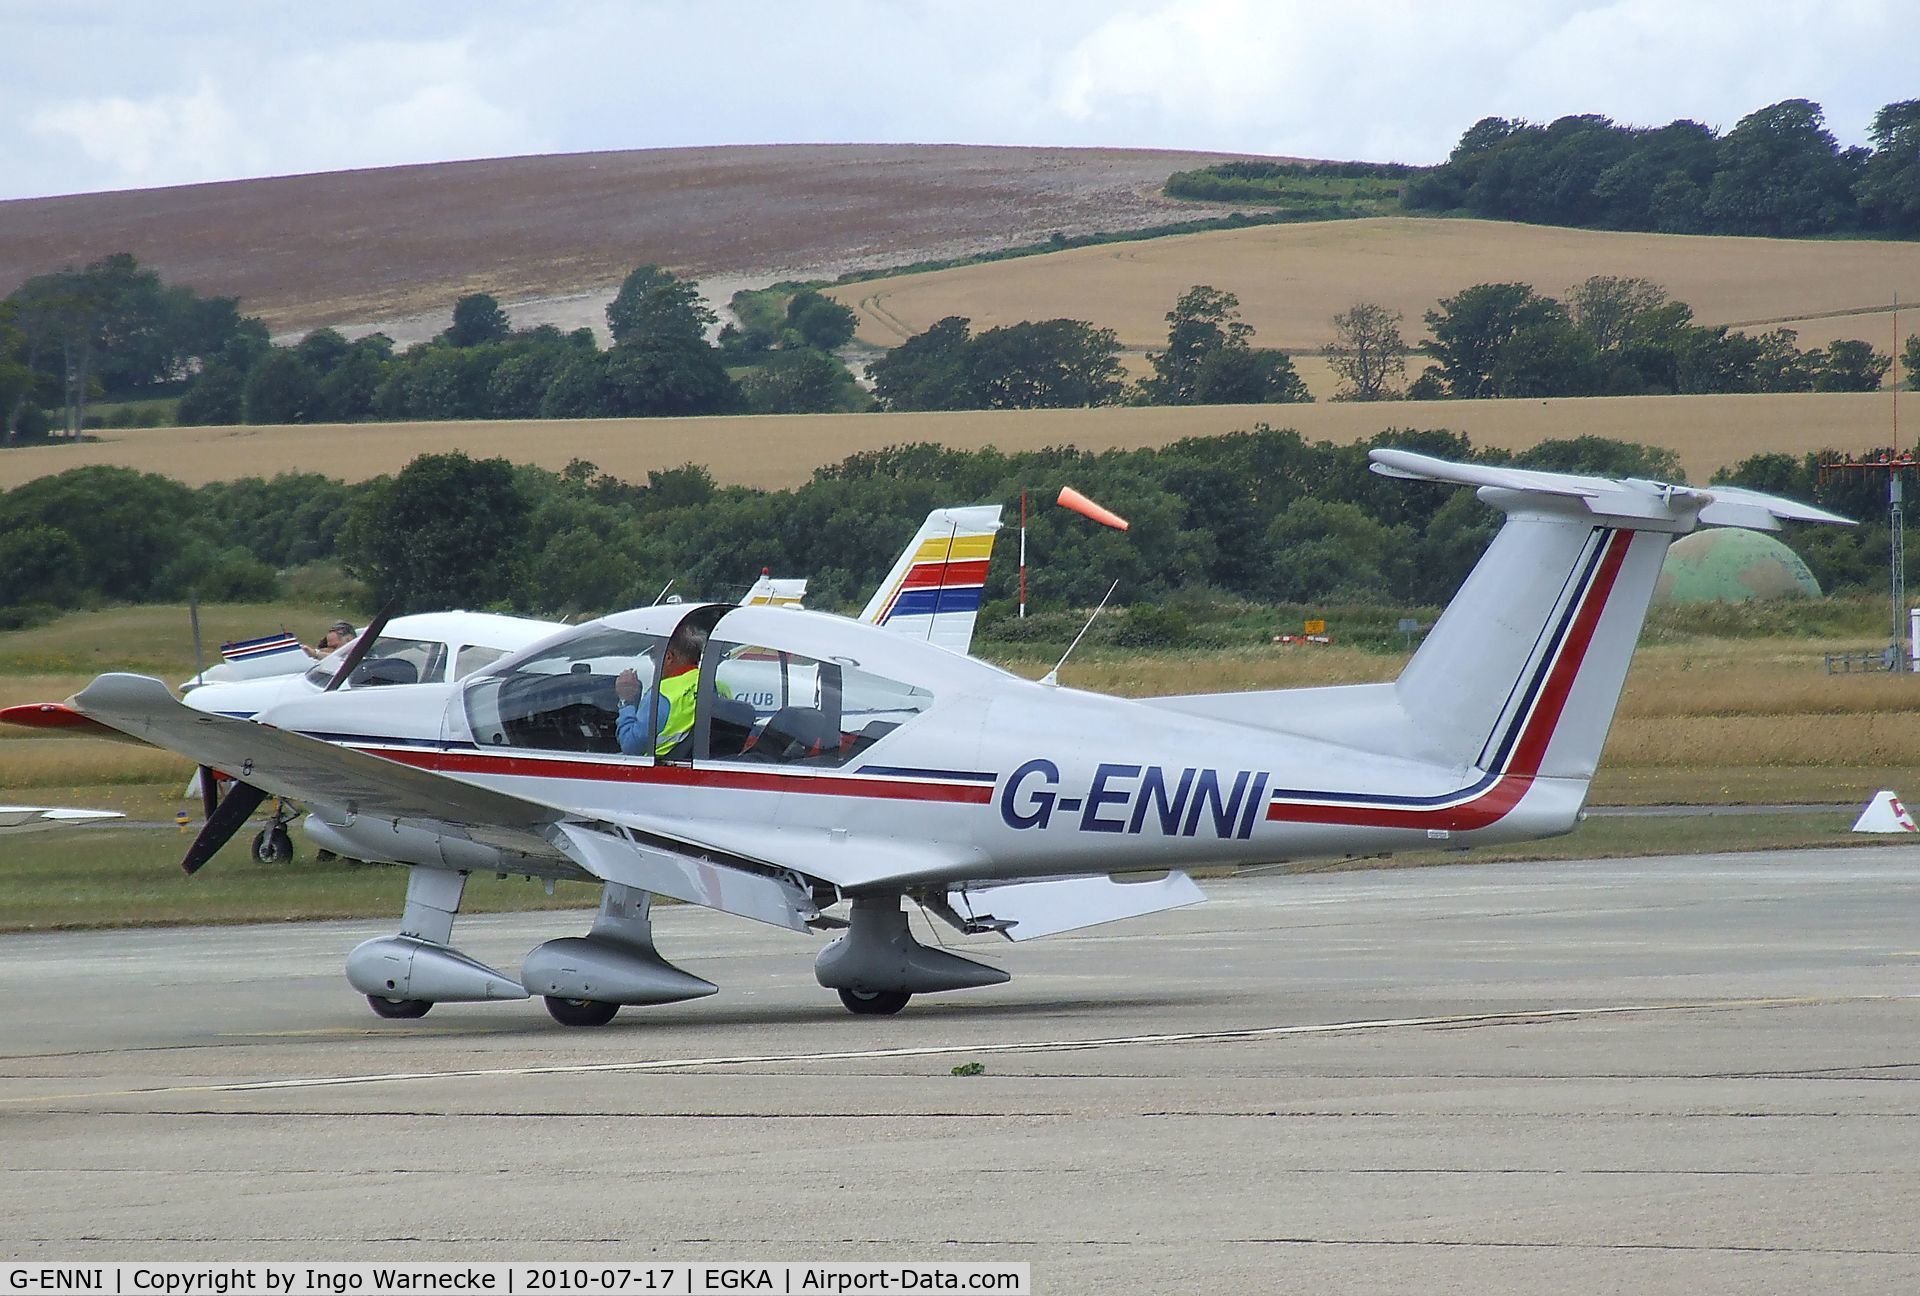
column 578, row 388
column 346, row 393
column 1910, row 362
column 1610, row 308
column 820, row 322
column 654, row 305
column 653, row 376
column 519, row 383
column 281, row 389
column 1850, row 365
column 126, row 525
column 1889, row 186
column 928, row 371
column 1367, row 352
column 447, row 532
column 217, row 397
column 803, row 381
column 477, row 319
column 1202, row 321
column 1049, row 364
column 1248, row 376
column 40, row 564
column 1472, row 327
column 1781, row 172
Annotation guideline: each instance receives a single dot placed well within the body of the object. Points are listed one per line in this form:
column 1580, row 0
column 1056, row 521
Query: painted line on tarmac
column 972, row 1050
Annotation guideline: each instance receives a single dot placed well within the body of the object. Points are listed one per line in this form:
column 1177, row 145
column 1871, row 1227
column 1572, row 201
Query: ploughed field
column 361, row 247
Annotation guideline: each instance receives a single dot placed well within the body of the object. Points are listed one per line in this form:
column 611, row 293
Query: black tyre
column 874, row 1003
column 398, row 1008
column 581, row 1012
column 273, row 846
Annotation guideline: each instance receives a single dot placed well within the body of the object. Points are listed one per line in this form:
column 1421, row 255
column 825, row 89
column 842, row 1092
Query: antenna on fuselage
column 662, row 594
column 1053, row 676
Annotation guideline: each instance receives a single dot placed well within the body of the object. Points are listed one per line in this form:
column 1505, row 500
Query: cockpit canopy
column 772, row 686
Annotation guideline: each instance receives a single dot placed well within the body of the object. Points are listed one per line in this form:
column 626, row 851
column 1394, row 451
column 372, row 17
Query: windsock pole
column 1023, row 555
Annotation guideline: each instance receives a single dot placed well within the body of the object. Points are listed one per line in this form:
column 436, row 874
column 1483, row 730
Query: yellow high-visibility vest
column 680, row 692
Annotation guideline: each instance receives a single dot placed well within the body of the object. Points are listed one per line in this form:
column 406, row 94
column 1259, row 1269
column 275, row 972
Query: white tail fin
column 773, row 591
column 933, row 592
column 1522, row 672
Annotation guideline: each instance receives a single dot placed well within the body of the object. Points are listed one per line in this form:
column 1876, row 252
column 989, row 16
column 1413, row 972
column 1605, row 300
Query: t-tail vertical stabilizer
column 1520, row 676
column 1496, row 724
column 933, row 592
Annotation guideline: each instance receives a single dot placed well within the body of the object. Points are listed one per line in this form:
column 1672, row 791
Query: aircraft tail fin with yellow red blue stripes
column 933, row 592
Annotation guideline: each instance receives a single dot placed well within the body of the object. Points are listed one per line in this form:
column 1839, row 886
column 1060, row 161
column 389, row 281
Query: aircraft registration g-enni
column 870, row 769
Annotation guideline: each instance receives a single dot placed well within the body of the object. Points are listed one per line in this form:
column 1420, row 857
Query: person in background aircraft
column 338, row 634
column 672, row 700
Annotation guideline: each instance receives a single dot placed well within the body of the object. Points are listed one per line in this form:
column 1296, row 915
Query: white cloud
column 354, row 104
column 205, row 89
column 163, row 139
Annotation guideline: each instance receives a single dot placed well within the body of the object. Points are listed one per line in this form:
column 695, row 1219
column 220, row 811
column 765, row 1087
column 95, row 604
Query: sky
column 126, row 94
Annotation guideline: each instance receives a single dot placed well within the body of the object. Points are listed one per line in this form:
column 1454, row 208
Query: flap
column 1033, row 909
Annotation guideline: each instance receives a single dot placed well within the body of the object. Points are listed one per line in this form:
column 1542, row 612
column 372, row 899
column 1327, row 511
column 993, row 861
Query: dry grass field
column 1293, row 279
column 780, row 451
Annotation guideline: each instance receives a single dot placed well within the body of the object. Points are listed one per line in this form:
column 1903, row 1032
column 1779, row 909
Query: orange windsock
column 1073, row 499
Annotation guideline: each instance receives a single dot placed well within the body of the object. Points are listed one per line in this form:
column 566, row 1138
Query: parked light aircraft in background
column 19, row 819
column 888, row 770
column 932, row 593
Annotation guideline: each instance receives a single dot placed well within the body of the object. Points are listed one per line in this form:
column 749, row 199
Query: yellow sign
column 1316, row 627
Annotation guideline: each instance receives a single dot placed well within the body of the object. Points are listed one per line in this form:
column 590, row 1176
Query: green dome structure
column 1731, row 565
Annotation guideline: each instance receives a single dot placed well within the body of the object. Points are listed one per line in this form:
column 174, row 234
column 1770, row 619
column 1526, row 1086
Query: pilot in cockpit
column 671, row 702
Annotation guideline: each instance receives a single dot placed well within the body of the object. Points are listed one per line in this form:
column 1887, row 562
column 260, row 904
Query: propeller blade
column 209, row 791
column 235, row 809
column 361, row 647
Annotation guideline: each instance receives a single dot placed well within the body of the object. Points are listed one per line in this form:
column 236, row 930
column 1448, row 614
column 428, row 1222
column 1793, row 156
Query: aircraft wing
column 313, row 771
column 553, row 839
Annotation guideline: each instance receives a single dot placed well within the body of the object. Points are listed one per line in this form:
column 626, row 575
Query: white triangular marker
column 1885, row 814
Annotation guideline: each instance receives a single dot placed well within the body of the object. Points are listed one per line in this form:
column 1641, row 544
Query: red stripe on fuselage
column 1493, row 804
column 746, row 780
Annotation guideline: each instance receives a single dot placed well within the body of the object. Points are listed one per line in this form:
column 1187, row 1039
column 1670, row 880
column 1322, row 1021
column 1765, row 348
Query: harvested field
column 369, row 246
column 777, row 451
column 1293, row 279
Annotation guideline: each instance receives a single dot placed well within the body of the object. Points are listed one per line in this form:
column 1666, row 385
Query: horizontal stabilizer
column 1659, row 505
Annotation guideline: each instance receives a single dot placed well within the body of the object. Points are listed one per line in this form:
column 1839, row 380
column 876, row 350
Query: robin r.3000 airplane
column 835, row 764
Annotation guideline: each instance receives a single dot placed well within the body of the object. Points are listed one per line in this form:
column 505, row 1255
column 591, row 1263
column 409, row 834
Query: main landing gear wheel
column 398, row 1008
column 874, row 1003
column 273, row 846
column 581, row 1012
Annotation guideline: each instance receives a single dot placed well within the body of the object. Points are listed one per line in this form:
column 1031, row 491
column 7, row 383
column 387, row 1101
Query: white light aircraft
column 19, row 819
column 893, row 771
column 932, row 593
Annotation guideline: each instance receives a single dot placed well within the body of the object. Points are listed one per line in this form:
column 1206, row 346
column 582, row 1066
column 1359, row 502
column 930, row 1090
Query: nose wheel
column 874, row 1003
column 272, row 845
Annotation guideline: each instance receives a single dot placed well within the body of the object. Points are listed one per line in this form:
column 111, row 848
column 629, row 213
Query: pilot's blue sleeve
column 632, row 730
